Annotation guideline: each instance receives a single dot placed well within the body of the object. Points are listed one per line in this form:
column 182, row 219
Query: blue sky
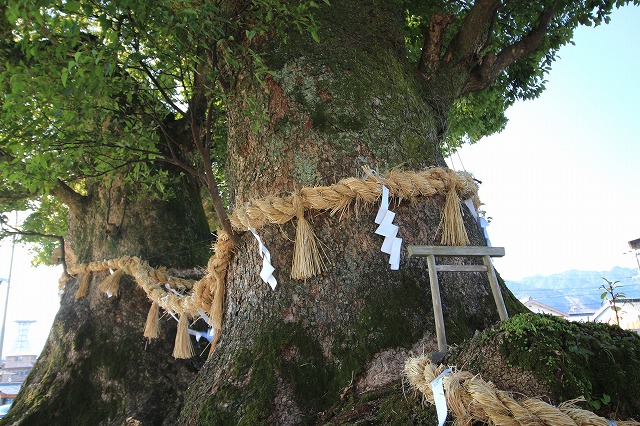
column 560, row 182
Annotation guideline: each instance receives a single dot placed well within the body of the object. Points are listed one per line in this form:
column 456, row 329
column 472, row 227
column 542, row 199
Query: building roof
column 538, row 307
column 10, row 388
column 629, row 314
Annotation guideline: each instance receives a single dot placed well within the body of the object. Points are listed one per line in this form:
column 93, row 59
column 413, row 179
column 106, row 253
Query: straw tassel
column 183, row 348
column 152, row 327
column 215, row 314
column 83, row 288
column 111, row 284
column 451, row 222
column 307, row 261
column 216, row 305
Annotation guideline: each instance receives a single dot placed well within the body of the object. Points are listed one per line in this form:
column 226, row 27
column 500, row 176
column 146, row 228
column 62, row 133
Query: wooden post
column 495, row 289
column 437, row 304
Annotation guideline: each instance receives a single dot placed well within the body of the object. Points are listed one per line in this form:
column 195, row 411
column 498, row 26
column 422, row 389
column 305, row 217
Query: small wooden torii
column 430, row 252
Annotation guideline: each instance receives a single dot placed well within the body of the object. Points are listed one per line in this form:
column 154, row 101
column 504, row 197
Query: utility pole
column 6, row 300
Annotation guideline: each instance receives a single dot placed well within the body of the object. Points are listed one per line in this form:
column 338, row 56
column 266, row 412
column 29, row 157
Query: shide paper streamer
column 391, row 244
column 267, row 269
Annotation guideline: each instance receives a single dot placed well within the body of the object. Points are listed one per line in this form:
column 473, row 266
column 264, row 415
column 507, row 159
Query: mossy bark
column 96, row 367
column 290, row 355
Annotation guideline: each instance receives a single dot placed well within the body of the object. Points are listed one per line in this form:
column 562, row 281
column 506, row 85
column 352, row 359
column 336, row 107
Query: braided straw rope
column 471, row 399
column 338, row 197
column 207, row 295
column 152, row 281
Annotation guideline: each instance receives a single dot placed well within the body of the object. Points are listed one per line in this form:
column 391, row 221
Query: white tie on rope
column 391, row 244
column 438, row 395
column 168, row 287
column 267, row 269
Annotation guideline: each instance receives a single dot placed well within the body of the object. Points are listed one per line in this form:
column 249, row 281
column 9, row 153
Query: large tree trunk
column 96, row 367
column 285, row 356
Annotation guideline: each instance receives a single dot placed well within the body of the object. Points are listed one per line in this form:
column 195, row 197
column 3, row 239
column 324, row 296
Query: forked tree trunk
column 96, row 367
column 288, row 355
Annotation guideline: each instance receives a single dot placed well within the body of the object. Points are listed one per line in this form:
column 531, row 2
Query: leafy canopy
column 137, row 89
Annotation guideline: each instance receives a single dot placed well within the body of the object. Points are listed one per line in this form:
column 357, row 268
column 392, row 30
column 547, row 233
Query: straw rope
column 338, row 197
column 471, row 399
column 191, row 299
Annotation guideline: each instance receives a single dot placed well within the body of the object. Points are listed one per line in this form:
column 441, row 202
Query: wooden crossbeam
column 430, row 252
column 458, row 251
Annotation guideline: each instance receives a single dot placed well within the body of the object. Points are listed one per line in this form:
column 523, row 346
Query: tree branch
column 164, row 94
column 469, row 39
column 68, row 196
column 432, row 46
column 210, row 179
column 493, row 65
column 15, row 231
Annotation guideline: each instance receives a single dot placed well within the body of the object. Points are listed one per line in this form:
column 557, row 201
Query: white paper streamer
column 438, row 395
column 384, row 205
column 391, row 244
column 483, row 224
column 108, row 293
column 195, row 333
column 267, row 269
column 204, row 316
column 481, row 220
column 200, row 334
column 469, row 203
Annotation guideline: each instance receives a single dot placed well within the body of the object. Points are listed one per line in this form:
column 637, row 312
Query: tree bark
column 96, row 367
column 288, row 356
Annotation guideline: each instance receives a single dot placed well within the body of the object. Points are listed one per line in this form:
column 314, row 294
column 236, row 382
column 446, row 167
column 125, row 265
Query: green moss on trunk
column 568, row 359
column 290, row 355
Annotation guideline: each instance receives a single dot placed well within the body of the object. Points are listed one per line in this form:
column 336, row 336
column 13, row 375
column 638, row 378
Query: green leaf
column 64, row 76
column 72, row 6
column 314, row 35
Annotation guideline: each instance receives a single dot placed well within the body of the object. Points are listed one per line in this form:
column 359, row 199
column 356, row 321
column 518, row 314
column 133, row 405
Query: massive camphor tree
column 133, row 128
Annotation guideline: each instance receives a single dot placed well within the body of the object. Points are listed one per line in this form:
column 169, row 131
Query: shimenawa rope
column 207, row 295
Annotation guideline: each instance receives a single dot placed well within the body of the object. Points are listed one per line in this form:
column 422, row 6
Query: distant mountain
column 575, row 291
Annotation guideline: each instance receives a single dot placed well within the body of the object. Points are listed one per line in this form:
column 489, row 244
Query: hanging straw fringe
column 471, row 399
column 111, row 284
column 152, row 326
column 451, row 222
column 215, row 314
column 83, row 288
column 183, row 348
column 307, row 261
